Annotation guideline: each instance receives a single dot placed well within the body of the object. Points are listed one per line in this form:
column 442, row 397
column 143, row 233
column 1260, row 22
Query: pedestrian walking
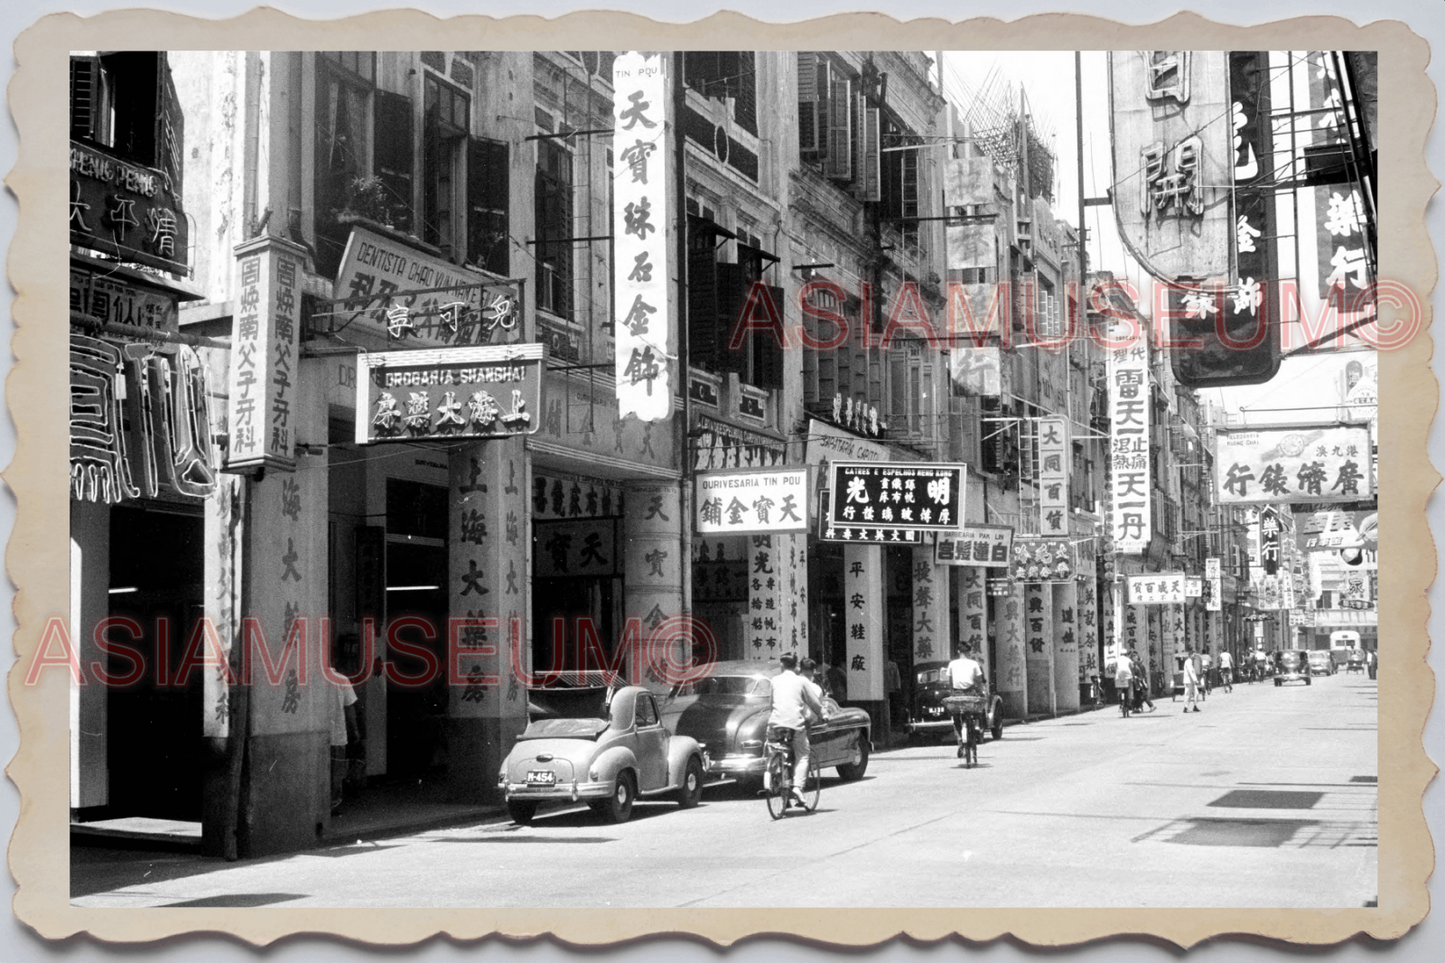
column 343, row 729
column 1141, row 681
column 1191, row 680
column 1371, row 662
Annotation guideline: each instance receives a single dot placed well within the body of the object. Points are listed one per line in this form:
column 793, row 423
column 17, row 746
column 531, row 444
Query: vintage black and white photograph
column 958, row 466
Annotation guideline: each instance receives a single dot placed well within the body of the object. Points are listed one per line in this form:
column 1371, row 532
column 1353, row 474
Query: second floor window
column 445, row 121
column 726, row 75
column 553, row 212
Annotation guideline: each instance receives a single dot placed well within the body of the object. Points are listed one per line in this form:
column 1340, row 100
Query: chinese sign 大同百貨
column 766, row 500
column 1324, row 463
column 642, row 252
column 1055, row 453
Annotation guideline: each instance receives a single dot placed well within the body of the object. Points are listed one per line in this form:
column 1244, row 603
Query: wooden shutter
column 871, row 144
column 170, row 129
column 808, row 102
column 702, row 306
column 393, row 153
column 767, row 356
column 87, row 98
column 488, row 202
column 745, row 111
column 839, row 162
column 732, row 288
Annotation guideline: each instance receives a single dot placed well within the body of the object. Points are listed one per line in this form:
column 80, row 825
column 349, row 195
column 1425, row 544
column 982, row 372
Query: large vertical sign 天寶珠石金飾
column 1130, row 516
column 643, row 258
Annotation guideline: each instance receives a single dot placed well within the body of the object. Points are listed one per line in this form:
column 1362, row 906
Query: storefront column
column 1113, row 624
column 1066, row 647
column 1161, row 671
column 225, row 540
column 1011, row 656
column 1039, row 656
column 931, row 615
column 863, row 608
column 1088, row 630
column 488, row 572
column 969, row 590
column 653, row 562
column 1134, row 632
column 89, row 603
column 777, row 615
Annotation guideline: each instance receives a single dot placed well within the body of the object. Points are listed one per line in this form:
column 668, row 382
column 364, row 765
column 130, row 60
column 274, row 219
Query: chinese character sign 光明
column 1129, row 443
column 924, row 497
column 1324, row 463
column 642, row 326
column 752, row 501
column 1054, row 455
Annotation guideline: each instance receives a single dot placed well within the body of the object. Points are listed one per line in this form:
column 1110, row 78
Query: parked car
column 1321, row 663
column 606, row 746
column 926, row 714
column 1291, row 665
column 727, row 713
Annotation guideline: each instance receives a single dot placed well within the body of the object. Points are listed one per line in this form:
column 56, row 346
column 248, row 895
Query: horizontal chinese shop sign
column 896, row 496
column 1326, row 531
column 752, row 501
column 1038, row 559
column 585, row 548
column 1157, row 588
column 126, row 210
column 1320, row 463
column 982, row 545
column 827, row 532
column 449, row 393
column 386, row 289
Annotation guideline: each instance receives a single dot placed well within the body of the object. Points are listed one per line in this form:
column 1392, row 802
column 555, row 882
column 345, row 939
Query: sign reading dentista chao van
column 764, row 500
column 449, row 393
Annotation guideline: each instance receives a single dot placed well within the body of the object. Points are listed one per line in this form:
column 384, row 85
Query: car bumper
column 1292, row 676
column 570, row 791
column 736, row 764
column 943, row 724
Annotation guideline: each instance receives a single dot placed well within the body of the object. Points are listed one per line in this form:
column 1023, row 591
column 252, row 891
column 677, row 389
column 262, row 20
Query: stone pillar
column 1134, row 630
column 970, row 588
column 863, row 607
column 488, row 577
column 1113, row 623
column 1066, row 647
column 1011, row 656
column 1088, row 631
column 225, row 539
column 653, row 563
column 777, row 615
column 89, row 603
column 931, row 611
column 1039, row 654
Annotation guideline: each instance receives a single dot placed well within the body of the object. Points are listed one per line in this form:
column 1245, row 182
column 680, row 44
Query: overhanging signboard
column 828, row 532
column 1330, row 530
column 1315, row 463
column 1213, row 583
column 449, row 394
column 1130, row 515
column 1158, row 588
column 752, row 502
column 127, row 210
column 986, row 546
column 389, row 290
column 918, row 497
column 1038, row 559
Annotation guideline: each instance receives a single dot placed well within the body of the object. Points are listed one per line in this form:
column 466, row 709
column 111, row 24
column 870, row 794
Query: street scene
column 790, row 478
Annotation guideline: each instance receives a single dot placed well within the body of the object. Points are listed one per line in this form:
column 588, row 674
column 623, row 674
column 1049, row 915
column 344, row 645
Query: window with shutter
column 808, row 102
column 839, row 162
column 702, row 303
column 394, row 154
column 343, row 101
column 90, row 101
column 732, row 286
column 446, row 117
column 871, row 149
column 767, row 355
column 726, row 74
column 553, row 213
column 488, row 200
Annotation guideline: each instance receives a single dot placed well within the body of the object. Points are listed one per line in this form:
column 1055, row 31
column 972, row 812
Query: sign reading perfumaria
column 765, row 500
column 449, row 393
column 643, row 253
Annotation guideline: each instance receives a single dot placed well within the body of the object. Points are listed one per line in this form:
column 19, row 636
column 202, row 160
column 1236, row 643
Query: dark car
column 1291, row 665
column 727, row 713
column 926, row 714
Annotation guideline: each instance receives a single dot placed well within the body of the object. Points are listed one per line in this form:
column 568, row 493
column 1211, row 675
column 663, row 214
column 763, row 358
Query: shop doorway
column 576, row 592
column 154, row 736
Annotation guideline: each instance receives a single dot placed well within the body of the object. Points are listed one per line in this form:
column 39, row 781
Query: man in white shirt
column 964, row 673
column 1226, row 670
column 1124, row 677
column 1191, row 680
column 793, row 697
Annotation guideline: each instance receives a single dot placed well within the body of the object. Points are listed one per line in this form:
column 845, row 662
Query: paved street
column 1265, row 798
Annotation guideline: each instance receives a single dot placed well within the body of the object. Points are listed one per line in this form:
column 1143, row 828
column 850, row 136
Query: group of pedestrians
column 1131, row 678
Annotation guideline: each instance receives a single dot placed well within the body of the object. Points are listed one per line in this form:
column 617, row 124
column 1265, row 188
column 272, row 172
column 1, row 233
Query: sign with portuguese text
column 752, row 502
column 987, row 546
column 920, row 497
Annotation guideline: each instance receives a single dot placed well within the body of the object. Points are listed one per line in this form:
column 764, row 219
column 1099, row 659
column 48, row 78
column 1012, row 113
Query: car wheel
column 521, row 811
column 691, row 792
column 1278, row 683
column 617, row 808
column 1307, row 681
column 854, row 771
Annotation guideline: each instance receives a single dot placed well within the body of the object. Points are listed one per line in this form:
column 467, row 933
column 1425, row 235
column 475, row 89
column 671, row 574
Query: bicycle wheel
column 775, row 786
column 971, row 757
column 813, row 787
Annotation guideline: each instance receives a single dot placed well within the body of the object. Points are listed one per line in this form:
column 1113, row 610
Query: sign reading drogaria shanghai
column 748, row 502
column 449, row 393
column 983, row 545
column 1159, row 588
column 642, row 258
column 1129, row 511
column 264, row 359
column 891, row 496
column 1324, row 463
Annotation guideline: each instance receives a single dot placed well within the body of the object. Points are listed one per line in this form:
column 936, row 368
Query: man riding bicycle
column 793, row 698
column 966, row 677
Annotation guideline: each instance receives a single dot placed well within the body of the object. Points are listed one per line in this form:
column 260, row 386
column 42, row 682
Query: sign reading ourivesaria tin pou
column 449, row 393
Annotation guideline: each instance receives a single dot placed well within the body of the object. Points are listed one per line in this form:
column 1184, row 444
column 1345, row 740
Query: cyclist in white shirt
column 793, row 696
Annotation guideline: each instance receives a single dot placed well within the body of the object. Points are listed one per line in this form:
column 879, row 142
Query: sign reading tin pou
column 449, row 393
column 894, row 496
column 767, row 500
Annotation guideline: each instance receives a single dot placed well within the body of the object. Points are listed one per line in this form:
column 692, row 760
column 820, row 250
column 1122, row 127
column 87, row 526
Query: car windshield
column 734, row 685
column 929, row 676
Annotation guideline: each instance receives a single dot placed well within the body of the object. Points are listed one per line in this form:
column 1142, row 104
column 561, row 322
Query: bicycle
column 969, row 729
column 778, row 774
column 1126, row 699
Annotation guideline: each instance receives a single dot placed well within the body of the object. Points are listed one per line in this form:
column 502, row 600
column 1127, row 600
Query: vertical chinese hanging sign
column 264, row 360
column 641, row 212
column 1129, row 444
column 1054, row 454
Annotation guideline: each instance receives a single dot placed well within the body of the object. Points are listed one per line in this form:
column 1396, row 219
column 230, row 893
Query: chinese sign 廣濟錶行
column 769, row 500
column 897, row 496
column 1325, row 463
column 1129, row 399
column 1158, row 588
column 983, row 545
column 1054, row 456
column 643, row 324
column 449, row 393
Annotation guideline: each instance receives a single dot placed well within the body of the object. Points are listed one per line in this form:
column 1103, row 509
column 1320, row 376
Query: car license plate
column 541, row 777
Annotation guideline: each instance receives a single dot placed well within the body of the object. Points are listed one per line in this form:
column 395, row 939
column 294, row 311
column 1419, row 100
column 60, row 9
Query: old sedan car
column 1321, row 663
column 727, row 712
column 926, row 714
column 1291, row 665
column 606, row 746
